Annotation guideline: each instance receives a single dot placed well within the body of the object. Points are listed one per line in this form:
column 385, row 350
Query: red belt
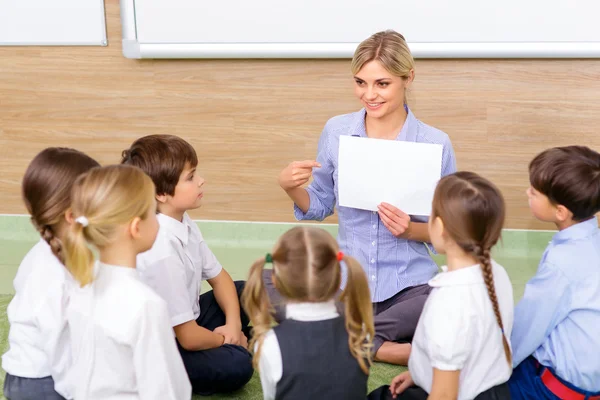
column 559, row 389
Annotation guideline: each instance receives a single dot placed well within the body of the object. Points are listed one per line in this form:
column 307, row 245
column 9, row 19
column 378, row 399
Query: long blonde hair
column 106, row 197
column 306, row 269
column 473, row 211
column 390, row 49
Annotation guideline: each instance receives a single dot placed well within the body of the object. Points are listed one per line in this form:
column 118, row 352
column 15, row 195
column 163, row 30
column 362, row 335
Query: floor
column 237, row 245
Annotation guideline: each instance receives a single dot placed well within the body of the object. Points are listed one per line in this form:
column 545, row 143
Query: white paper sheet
column 372, row 171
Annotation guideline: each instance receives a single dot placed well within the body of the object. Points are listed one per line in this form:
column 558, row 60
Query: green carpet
column 237, row 245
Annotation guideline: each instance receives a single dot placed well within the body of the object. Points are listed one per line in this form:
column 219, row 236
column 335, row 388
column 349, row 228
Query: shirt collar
column 463, row 276
column 409, row 125
column 114, row 270
column 177, row 228
column 577, row 231
column 311, row 311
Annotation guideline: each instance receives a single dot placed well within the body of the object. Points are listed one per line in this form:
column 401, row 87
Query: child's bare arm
column 445, row 385
column 193, row 337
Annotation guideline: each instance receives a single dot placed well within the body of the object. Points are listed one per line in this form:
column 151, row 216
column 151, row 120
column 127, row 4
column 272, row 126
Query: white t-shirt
column 176, row 265
column 38, row 338
column 458, row 331
column 123, row 347
column 270, row 363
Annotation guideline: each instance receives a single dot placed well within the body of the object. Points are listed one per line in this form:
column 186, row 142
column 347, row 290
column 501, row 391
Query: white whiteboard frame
column 135, row 50
column 103, row 41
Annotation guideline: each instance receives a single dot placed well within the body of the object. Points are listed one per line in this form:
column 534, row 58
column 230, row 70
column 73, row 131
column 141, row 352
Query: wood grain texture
column 248, row 118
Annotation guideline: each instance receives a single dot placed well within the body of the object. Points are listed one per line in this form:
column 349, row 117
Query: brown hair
column 473, row 211
column 306, row 269
column 390, row 49
column 46, row 189
column 163, row 158
column 569, row 176
column 107, row 197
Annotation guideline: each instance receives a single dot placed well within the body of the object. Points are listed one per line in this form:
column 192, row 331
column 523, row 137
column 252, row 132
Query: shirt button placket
column 373, row 250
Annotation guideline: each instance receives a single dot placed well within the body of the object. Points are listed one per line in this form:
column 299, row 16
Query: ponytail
column 258, row 307
column 78, row 258
column 359, row 313
column 483, row 255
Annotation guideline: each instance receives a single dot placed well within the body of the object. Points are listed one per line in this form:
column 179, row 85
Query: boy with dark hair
column 208, row 327
column 556, row 334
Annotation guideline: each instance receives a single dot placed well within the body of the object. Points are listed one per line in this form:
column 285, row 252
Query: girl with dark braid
column 461, row 346
column 37, row 360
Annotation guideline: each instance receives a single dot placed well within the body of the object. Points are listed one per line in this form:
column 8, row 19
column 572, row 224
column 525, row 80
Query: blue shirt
column 391, row 264
column 558, row 319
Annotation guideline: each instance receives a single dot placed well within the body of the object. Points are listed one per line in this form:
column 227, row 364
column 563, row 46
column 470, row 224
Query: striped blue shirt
column 391, row 264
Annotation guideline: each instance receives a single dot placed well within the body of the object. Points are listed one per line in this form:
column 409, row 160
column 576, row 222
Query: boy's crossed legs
column 223, row 369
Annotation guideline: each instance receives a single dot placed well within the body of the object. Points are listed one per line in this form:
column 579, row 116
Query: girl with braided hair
column 37, row 360
column 461, row 347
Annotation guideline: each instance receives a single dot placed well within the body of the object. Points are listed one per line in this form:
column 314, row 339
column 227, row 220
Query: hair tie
column 340, row 256
column 83, row 221
column 268, row 258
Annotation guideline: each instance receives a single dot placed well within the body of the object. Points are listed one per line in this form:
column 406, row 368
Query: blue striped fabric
column 391, row 264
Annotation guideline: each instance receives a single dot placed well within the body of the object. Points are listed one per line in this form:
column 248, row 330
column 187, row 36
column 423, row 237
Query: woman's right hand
column 400, row 383
column 296, row 174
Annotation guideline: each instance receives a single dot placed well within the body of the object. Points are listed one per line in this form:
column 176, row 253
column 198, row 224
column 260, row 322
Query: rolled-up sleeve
column 321, row 190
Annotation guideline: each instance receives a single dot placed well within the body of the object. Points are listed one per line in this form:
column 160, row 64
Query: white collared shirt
column 458, row 331
column 176, row 265
column 123, row 346
column 38, row 340
column 270, row 363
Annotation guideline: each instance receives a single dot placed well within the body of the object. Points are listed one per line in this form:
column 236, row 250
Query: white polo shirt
column 458, row 331
column 38, row 340
column 123, row 346
column 176, row 265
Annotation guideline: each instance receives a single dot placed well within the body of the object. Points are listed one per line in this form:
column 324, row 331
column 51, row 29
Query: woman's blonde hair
column 390, row 49
column 106, row 197
column 306, row 269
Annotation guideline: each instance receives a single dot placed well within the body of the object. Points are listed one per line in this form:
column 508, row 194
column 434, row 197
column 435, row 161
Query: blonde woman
column 123, row 346
column 315, row 353
column 389, row 244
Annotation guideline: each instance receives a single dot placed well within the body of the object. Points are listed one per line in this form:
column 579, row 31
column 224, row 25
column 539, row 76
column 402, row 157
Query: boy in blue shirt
column 556, row 334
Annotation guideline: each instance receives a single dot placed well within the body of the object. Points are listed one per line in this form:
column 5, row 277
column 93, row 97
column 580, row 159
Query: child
column 556, row 339
column 208, row 327
column 122, row 345
column 314, row 353
column 38, row 357
column 460, row 349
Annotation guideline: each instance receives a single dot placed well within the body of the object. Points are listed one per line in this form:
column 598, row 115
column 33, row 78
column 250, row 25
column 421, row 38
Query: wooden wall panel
column 249, row 118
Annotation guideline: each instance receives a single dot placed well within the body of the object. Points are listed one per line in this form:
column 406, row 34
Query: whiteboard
column 52, row 22
column 333, row 28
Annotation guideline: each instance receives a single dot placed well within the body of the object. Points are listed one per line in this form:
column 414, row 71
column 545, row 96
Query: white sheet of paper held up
column 372, row 171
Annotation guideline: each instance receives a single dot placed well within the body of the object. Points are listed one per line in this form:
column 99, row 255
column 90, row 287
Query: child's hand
column 394, row 219
column 232, row 335
column 400, row 383
column 297, row 174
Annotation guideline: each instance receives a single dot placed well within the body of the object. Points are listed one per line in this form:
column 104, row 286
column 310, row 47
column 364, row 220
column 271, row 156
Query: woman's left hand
column 397, row 221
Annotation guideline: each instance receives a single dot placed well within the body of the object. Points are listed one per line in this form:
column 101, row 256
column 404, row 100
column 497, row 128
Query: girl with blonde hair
column 389, row 244
column 315, row 353
column 122, row 342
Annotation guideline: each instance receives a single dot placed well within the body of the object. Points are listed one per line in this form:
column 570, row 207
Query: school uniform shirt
column 458, row 331
column 304, row 322
column 391, row 264
column 176, row 265
column 38, row 338
column 123, row 346
column 558, row 319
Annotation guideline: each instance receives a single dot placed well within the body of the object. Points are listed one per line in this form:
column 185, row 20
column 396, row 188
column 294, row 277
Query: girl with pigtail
column 461, row 347
column 38, row 358
column 304, row 357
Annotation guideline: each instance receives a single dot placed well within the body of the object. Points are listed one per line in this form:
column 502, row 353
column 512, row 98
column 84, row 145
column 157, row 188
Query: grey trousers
column 18, row 388
column 395, row 318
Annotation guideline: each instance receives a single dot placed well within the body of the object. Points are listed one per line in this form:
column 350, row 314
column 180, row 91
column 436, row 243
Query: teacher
column 389, row 244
